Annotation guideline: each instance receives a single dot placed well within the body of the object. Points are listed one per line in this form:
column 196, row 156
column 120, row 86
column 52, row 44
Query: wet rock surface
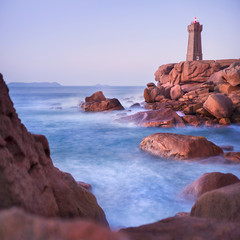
column 164, row 117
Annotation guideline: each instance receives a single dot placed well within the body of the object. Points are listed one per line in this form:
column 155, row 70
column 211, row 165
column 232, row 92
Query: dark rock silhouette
column 28, row 178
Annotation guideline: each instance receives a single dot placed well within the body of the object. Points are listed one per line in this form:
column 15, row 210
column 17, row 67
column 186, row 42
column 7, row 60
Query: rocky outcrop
column 179, row 146
column 183, row 85
column 187, row 228
column 219, row 105
column 208, row 182
column 192, row 71
column 163, row 117
column 98, row 103
column 28, row 178
column 15, row 224
column 221, row 204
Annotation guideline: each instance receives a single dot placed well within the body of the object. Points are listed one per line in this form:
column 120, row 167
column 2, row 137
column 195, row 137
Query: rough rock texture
column 222, row 204
column 192, row 71
column 179, row 146
column 28, row 178
column 208, row 182
column 192, row 120
column 15, row 224
column 164, row 117
column 176, row 92
column 162, row 74
column 96, row 97
column 152, row 92
column 232, row 74
column 98, row 103
column 198, row 80
column 219, row 105
column 185, row 228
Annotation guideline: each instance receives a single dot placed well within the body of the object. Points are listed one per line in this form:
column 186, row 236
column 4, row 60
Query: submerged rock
column 177, row 146
column 185, row 228
column 15, row 224
column 29, row 179
column 163, row 117
column 221, row 204
column 233, row 157
column 98, row 103
column 208, row 182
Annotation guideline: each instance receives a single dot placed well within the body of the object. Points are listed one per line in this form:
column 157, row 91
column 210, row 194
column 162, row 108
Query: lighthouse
column 194, row 51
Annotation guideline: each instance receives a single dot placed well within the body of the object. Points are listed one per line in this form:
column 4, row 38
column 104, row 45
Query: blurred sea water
column 132, row 187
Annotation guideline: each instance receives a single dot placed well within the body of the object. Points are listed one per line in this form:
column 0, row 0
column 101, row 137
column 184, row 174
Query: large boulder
column 221, row 204
column 219, row 105
column 192, row 71
column 178, row 146
column 15, row 224
column 28, row 178
column 208, row 182
column 185, row 228
column 98, row 103
column 232, row 74
column 163, row 117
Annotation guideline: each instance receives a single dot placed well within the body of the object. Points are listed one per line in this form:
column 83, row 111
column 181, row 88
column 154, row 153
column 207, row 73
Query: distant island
column 34, row 84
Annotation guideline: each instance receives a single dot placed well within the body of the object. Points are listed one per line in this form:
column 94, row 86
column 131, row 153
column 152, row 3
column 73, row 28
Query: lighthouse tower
column 194, row 51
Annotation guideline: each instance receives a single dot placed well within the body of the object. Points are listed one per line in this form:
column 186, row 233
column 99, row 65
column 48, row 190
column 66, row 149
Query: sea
column 132, row 187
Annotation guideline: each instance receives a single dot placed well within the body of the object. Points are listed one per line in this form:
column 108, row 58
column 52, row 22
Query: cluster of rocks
column 208, row 92
column 215, row 215
column 97, row 102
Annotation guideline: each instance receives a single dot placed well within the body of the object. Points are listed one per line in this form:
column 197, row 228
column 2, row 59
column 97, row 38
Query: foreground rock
column 185, row 228
column 15, row 224
column 163, row 117
column 98, row 103
column 221, row 204
column 208, row 182
column 29, row 179
column 179, row 146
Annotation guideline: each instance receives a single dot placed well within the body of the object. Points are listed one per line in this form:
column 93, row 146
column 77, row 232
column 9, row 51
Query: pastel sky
column 115, row 42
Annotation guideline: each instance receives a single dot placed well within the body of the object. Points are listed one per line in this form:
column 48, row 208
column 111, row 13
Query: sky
column 110, row 42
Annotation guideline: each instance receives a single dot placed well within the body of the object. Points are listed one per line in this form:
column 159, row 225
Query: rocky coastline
column 38, row 201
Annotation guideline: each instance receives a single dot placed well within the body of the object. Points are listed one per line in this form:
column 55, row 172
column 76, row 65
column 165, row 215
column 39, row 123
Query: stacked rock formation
column 28, row 178
column 98, row 103
column 207, row 90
